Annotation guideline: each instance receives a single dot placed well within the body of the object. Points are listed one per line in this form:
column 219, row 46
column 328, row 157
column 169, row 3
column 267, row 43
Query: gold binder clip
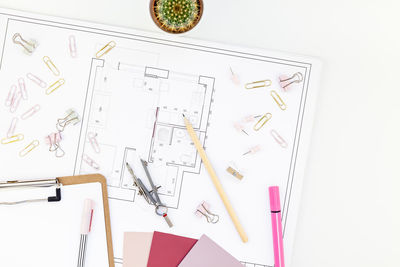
column 29, row 47
column 51, row 65
column 105, row 49
column 278, row 100
column 263, row 120
column 29, row 148
column 12, row 139
column 258, row 84
column 55, row 86
column 72, row 117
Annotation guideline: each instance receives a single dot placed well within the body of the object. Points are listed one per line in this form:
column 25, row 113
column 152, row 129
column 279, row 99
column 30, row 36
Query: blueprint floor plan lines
column 154, row 101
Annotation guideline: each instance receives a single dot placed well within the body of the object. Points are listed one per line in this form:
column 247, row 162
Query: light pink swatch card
column 137, row 249
column 207, row 253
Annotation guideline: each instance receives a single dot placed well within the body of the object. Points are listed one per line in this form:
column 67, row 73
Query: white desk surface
column 350, row 209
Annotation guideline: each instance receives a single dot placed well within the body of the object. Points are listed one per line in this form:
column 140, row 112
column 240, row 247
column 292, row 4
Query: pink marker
column 276, row 219
column 86, row 226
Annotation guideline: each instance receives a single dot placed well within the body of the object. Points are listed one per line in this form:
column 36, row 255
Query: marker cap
column 274, row 199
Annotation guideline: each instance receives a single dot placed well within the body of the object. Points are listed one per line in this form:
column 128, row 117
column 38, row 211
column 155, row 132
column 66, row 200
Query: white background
column 350, row 213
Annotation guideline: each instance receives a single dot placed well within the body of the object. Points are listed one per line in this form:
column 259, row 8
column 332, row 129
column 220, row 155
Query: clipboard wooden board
column 94, row 178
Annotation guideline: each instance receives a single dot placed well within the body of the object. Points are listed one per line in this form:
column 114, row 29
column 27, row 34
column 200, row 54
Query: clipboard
column 66, row 181
column 93, row 178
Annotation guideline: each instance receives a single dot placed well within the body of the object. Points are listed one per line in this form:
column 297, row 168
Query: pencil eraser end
column 274, row 199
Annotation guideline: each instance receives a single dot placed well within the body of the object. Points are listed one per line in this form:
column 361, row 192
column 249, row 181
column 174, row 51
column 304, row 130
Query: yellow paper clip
column 51, row 65
column 105, row 49
column 12, row 139
column 29, row 148
column 55, row 86
column 278, row 100
column 258, row 84
column 263, row 120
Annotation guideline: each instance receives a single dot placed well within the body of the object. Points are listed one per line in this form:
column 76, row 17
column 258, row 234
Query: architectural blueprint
column 130, row 103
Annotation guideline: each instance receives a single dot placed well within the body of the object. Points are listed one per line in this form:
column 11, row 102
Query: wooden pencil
column 215, row 180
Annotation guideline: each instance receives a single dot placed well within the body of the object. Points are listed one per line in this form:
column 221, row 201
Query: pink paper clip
column 93, row 141
column 11, row 129
column 72, row 46
column 36, row 80
column 203, row 210
column 90, row 162
column 22, row 88
column 253, row 150
column 10, row 96
column 287, row 82
column 279, row 139
column 15, row 102
column 30, row 112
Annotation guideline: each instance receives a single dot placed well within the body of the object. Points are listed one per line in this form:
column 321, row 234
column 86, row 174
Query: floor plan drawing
column 164, row 96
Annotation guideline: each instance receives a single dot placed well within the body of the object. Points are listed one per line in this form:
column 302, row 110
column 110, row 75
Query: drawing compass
column 151, row 196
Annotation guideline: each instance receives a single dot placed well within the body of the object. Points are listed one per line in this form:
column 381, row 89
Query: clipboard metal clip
column 32, row 183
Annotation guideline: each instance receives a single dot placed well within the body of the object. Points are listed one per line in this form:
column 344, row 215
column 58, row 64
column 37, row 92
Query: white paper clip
column 30, row 112
column 51, row 65
column 90, row 162
column 15, row 102
column 53, row 140
column 253, row 150
column 28, row 46
column 12, row 139
column 22, row 88
column 73, row 52
column 92, row 137
column 55, row 86
column 10, row 96
column 203, row 210
column 105, row 49
column 29, row 148
column 11, row 129
column 36, row 80
column 72, row 117
column 287, row 82
column 279, row 139
column 235, row 78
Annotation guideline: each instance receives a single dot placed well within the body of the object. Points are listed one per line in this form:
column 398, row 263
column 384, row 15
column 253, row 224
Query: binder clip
column 73, row 52
column 107, row 48
column 51, row 66
column 53, row 140
column 92, row 137
column 28, row 46
column 287, row 82
column 253, row 150
column 11, row 129
column 89, row 161
column 203, row 210
column 279, row 139
column 30, row 112
column 33, row 183
column 278, row 100
column 234, row 77
column 34, row 144
column 72, row 117
column 262, row 121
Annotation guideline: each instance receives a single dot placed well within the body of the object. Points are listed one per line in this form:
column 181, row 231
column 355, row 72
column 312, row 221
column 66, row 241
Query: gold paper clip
column 36, row 80
column 51, row 65
column 105, row 49
column 258, row 84
column 29, row 148
column 263, row 120
column 203, row 210
column 279, row 139
column 12, row 139
column 72, row 47
column 55, row 86
column 29, row 47
column 30, row 112
column 278, row 100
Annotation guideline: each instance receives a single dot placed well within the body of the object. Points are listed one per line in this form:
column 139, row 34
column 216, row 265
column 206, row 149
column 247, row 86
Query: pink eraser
column 87, row 215
column 274, row 200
